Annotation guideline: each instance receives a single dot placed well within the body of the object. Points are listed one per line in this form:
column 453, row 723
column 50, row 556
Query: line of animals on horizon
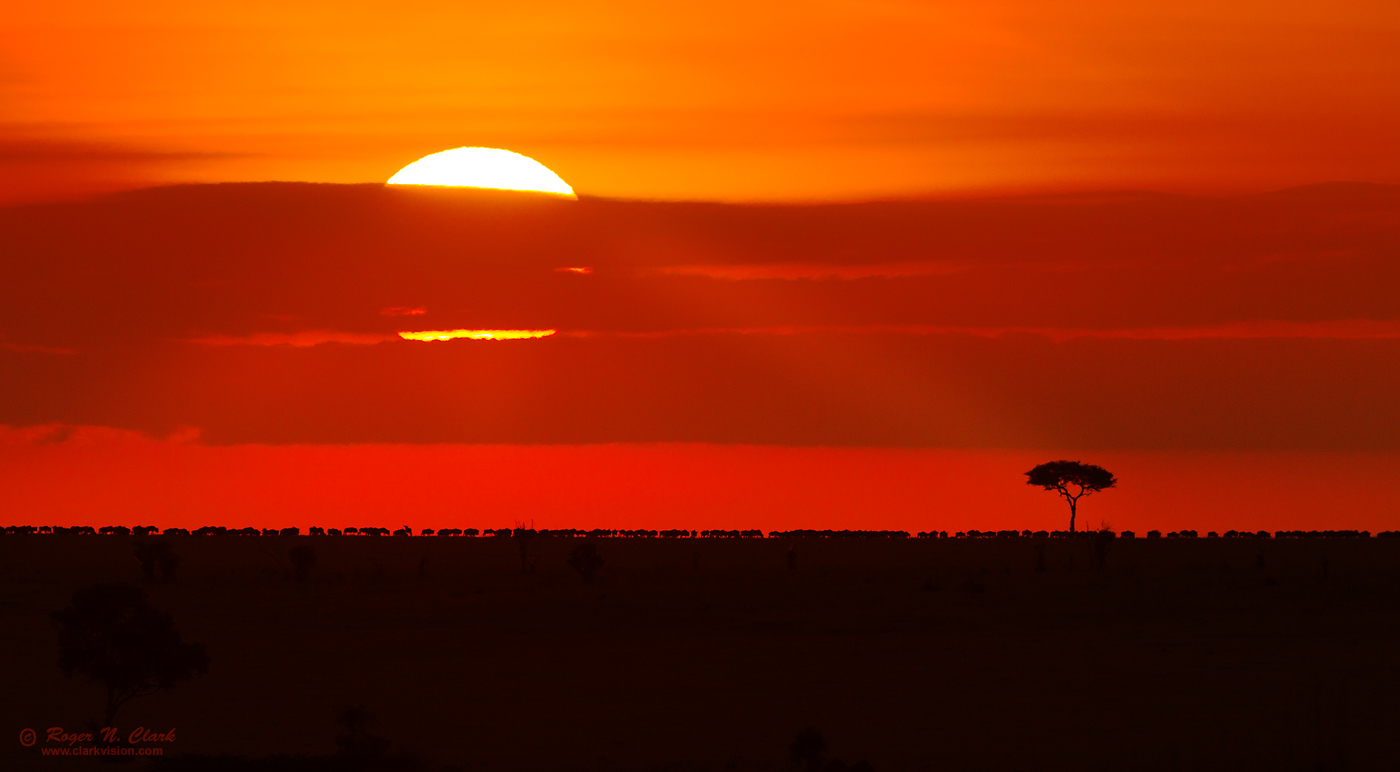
column 615, row 533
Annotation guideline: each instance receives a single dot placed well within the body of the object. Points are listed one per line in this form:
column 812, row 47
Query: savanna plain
column 714, row 654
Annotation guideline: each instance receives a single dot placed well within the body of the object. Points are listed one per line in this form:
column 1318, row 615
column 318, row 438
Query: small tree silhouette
column 354, row 738
column 586, row 561
column 1062, row 475
column 111, row 636
column 808, row 748
column 357, row 748
column 303, row 558
column 1103, row 539
column 157, row 554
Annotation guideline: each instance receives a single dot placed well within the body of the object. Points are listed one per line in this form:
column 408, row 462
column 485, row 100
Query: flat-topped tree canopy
column 1061, row 475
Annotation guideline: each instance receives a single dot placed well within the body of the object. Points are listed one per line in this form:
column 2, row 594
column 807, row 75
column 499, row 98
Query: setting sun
column 482, row 167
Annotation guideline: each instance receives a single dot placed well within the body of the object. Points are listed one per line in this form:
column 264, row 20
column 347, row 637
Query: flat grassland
column 711, row 654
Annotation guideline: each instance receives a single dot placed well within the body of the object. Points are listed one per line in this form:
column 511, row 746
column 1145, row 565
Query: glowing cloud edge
column 431, row 335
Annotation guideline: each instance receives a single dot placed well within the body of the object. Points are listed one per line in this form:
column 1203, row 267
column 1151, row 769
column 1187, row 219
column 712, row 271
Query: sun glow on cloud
column 426, row 335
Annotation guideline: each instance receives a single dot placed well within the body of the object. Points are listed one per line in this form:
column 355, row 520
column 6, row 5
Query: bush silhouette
column 586, row 561
column 1102, row 540
column 303, row 558
column 157, row 555
column 809, row 749
column 359, row 748
column 1061, row 475
column 111, row 636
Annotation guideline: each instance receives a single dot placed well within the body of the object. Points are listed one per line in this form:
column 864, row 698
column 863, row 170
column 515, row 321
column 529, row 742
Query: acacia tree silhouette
column 1061, row 475
column 112, row 636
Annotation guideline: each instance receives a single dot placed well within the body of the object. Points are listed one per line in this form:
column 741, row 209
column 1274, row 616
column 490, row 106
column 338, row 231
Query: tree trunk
column 112, row 705
column 1072, row 507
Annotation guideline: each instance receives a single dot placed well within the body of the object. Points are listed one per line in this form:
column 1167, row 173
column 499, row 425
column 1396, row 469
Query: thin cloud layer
column 799, row 271
column 297, row 339
column 257, row 314
column 1340, row 329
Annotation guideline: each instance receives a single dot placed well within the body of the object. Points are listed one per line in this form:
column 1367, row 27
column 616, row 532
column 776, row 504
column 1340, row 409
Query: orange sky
column 713, row 100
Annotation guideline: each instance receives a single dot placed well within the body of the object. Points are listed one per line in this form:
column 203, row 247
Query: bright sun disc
column 482, row 167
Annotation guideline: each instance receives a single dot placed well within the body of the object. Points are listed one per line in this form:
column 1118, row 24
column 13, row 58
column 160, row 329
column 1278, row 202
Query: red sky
column 100, row 476
column 1230, row 331
column 814, row 236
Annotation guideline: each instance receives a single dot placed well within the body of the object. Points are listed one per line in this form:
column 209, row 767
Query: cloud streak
column 795, row 271
column 301, row 339
column 1342, row 329
column 1337, row 329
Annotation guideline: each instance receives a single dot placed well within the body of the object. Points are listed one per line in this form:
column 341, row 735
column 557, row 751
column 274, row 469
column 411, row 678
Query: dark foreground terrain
column 712, row 654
